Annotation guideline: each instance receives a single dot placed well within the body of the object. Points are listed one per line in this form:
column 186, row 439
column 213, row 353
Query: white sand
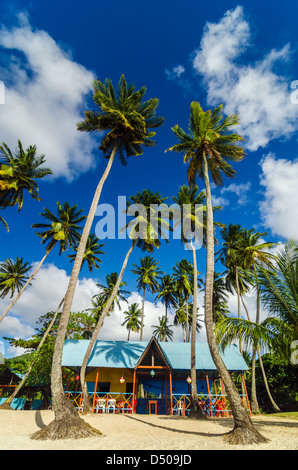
column 141, row 432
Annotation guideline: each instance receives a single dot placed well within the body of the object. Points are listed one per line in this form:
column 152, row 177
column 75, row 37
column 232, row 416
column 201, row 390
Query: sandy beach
column 144, row 432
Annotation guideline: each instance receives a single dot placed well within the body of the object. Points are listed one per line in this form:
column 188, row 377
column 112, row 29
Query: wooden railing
column 123, row 400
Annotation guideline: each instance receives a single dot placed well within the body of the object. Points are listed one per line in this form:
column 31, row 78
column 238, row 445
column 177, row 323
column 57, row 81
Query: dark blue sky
column 141, row 40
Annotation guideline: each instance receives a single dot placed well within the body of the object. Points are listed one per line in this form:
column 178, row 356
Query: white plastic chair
column 180, row 408
column 101, row 405
column 111, row 404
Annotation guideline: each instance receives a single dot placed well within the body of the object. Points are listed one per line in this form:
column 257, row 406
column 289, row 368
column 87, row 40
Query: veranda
column 149, row 377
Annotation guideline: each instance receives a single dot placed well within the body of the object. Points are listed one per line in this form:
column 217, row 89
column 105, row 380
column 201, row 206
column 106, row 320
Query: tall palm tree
column 253, row 252
column 13, row 276
column 125, row 120
column 62, row 229
column 144, row 235
column 192, row 222
column 148, row 274
column 167, row 293
column 208, row 147
column 93, row 249
column 163, row 331
column 183, row 276
column 180, row 316
column 132, row 319
column 18, row 173
column 220, row 298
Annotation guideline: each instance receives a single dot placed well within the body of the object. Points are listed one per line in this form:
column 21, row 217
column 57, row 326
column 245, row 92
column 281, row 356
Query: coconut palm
column 125, row 121
column 220, row 298
column 163, row 331
column 191, row 219
column 208, row 147
column 183, row 277
column 107, row 289
column 133, row 318
column 180, row 315
column 63, row 229
column 18, row 173
column 144, row 235
column 13, row 276
column 92, row 260
column 148, row 273
column 167, row 293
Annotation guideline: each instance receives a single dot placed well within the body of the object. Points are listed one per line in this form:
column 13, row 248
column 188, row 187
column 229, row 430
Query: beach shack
column 150, row 377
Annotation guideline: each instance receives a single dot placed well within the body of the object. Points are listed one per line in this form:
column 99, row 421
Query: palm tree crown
column 124, row 117
column 18, row 172
column 13, row 276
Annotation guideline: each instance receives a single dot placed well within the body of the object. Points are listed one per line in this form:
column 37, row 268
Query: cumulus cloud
column 279, row 209
column 45, row 92
column 44, row 295
column 259, row 95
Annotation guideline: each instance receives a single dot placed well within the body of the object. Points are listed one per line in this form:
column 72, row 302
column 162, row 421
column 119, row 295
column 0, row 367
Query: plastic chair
column 111, row 405
column 180, row 408
column 81, row 406
column 101, row 405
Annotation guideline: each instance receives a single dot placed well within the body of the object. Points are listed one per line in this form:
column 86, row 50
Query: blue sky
column 243, row 55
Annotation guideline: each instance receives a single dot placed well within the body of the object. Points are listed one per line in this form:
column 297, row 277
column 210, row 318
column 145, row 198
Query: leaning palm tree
column 125, row 122
column 93, row 249
column 143, row 234
column 62, row 229
column 167, row 294
column 208, row 147
column 18, row 173
column 163, row 331
column 132, row 319
column 148, row 274
column 13, row 276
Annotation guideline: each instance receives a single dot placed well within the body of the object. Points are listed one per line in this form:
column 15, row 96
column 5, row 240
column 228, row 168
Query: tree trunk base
column 74, row 428
column 245, row 435
column 5, row 406
column 196, row 411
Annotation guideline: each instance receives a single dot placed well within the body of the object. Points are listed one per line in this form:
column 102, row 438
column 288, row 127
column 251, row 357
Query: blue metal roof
column 126, row 354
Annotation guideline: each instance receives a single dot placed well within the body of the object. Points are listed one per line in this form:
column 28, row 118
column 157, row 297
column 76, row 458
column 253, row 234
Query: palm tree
column 13, row 276
column 162, row 331
column 126, row 121
column 192, row 222
column 183, row 276
column 252, row 250
column 18, row 173
column 63, row 229
column 144, row 235
column 208, row 147
column 92, row 250
column 92, row 260
column 220, row 298
column 180, row 315
column 148, row 274
column 167, row 294
column 107, row 289
column 132, row 319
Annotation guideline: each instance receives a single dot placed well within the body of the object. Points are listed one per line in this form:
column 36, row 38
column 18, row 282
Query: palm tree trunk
column 244, row 432
column 67, row 421
column 239, row 305
column 8, row 402
column 143, row 312
column 253, row 397
column 195, row 409
column 87, row 406
column 16, row 298
column 187, row 322
column 266, row 383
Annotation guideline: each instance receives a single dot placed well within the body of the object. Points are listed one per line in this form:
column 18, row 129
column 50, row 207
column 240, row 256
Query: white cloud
column 44, row 295
column 240, row 190
column 279, row 209
column 255, row 92
column 175, row 72
column 45, row 93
